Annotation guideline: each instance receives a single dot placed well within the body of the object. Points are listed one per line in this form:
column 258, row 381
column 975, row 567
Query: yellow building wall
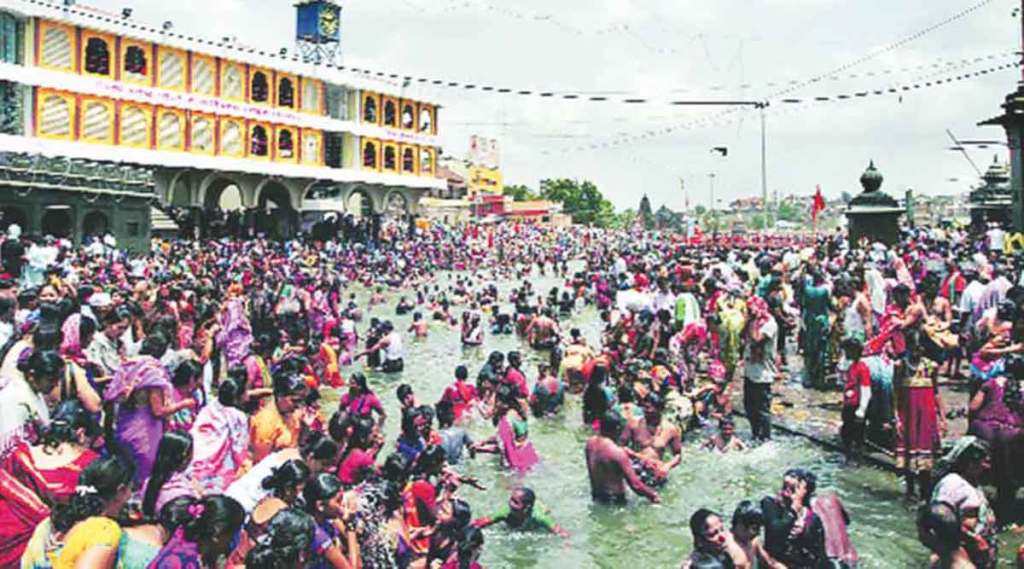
column 56, row 46
column 136, row 78
column 485, row 181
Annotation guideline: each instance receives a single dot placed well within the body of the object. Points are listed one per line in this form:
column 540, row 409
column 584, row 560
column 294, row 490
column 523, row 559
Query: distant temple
column 993, row 202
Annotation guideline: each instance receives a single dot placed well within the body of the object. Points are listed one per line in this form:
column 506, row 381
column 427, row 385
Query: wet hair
column 172, row 455
column 204, row 519
column 186, row 372
column 286, row 478
column 461, row 372
column 322, row 487
column 514, row 358
column 495, row 358
column 66, row 419
column 748, row 514
column 699, row 523
column 611, row 424
column 98, row 484
column 938, row 527
column 403, row 391
column 230, row 393
column 44, row 364
column 360, row 379
column 409, row 416
column 289, row 535
column 529, row 496
column 46, row 338
column 805, row 476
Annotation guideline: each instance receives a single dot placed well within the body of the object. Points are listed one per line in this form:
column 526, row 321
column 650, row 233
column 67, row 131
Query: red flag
column 818, row 206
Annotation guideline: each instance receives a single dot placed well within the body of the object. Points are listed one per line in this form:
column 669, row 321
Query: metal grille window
column 11, row 39
column 11, row 108
column 57, row 48
column 260, row 88
column 333, row 148
column 337, row 99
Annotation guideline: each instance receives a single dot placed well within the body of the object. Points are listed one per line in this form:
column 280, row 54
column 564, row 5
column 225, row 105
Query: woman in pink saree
column 235, row 337
column 221, row 439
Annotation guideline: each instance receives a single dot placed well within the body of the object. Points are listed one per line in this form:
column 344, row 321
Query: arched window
column 310, row 147
column 310, row 96
column 202, row 134
column 390, row 158
column 202, row 76
column 57, row 52
column 231, row 138
column 408, row 161
column 408, row 116
column 285, row 144
column 97, row 56
column 258, row 141
column 370, row 155
column 134, row 126
column 426, row 119
column 135, row 62
column 55, row 117
column 172, row 70
column 370, row 109
column 426, row 161
column 259, row 88
column 286, row 93
column 97, row 122
column 390, row 114
column 231, row 82
column 169, row 132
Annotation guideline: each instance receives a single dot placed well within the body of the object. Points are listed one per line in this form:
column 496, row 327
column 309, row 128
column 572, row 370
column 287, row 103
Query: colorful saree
column 137, row 429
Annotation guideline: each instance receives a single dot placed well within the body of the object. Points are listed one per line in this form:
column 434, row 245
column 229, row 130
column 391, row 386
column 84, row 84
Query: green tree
column 792, row 212
column 520, row 193
column 581, row 200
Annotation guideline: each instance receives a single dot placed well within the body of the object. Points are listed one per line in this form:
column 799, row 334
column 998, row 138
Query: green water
column 639, row 535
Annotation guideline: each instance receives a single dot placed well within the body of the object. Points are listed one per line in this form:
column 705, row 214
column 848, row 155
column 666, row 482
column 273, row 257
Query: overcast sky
column 671, row 49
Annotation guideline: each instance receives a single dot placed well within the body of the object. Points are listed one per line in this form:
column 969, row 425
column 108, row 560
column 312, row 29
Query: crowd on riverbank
column 166, row 408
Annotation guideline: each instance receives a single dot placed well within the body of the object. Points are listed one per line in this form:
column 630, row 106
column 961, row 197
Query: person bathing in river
column 543, row 332
column 747, row 522
column 390, row 345
column 609, row 466
column 726, row 439
column 647, row 438
column 524, row 513
column 419, row 327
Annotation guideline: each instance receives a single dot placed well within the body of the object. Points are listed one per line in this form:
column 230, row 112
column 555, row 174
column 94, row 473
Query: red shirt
column 353, row 468
column 856, row 377
column 460, row 395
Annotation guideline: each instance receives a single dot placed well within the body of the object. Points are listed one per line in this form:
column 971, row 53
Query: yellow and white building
column 206, row 115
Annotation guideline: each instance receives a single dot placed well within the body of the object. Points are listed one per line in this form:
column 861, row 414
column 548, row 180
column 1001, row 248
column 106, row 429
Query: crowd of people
column 165, row 409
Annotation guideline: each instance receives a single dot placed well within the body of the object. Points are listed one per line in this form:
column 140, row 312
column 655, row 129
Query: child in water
column 726, row 439
column 523, row 513
column 419, row 327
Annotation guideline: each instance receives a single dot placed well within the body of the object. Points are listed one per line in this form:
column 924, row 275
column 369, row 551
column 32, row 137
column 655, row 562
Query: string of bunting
column 788, row 102
column 563, row 95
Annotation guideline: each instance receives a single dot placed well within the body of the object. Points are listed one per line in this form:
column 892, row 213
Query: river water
column 638, row 535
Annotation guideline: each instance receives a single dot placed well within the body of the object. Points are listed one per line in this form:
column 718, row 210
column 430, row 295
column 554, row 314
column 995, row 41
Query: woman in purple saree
column 140, row 396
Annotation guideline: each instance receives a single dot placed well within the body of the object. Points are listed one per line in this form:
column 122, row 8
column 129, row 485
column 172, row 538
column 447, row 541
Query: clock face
column 329, row 21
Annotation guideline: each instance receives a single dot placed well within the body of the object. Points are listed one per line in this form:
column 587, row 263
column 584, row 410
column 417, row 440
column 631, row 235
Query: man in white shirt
column 996, row 237
column 759, row 369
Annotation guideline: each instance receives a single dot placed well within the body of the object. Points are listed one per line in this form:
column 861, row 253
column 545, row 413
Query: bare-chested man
column 726, row 439
column 543, row 332
column 609, row 465
column 649, row 436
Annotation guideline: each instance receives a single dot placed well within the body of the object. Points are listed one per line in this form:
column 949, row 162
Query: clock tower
column 318, row 31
